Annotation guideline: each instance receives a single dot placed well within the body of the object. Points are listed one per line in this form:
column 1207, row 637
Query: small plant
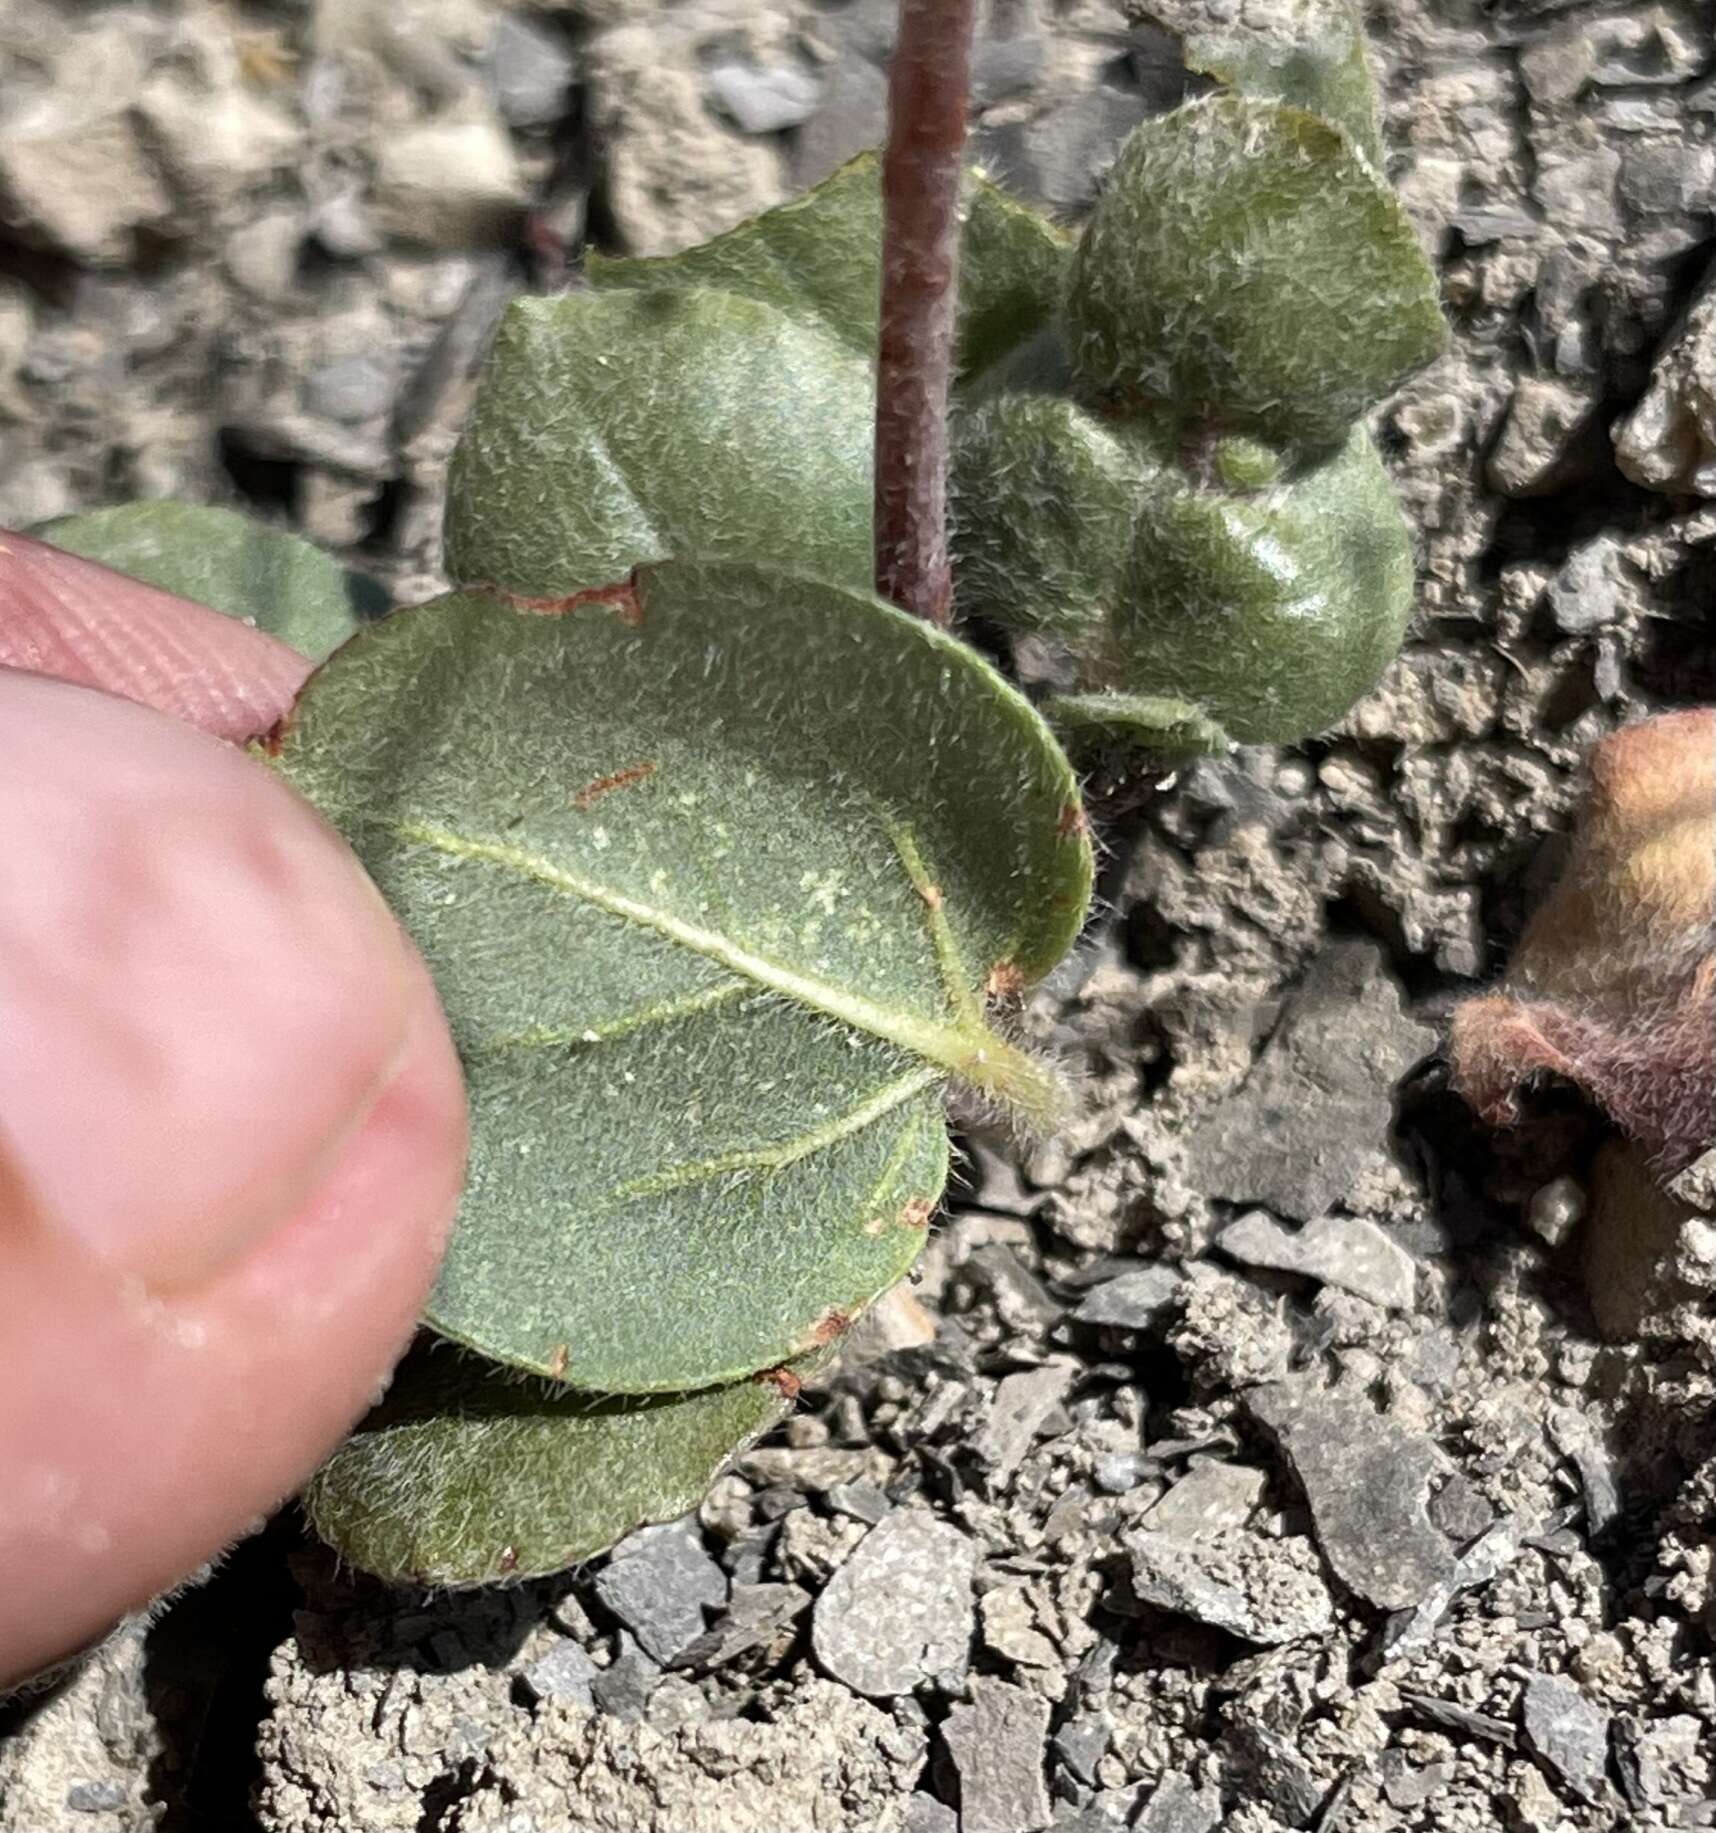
column 728, row 869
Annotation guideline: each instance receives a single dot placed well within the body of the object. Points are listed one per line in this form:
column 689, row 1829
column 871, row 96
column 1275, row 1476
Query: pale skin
column 232, row 1127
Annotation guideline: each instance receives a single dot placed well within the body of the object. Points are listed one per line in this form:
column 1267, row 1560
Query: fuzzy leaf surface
column 1246, row 265
column 276, row 581
column 616, row 428
column 1272, row 611
column 819, row 258
column 712, row 871
column 465, row 1474
column 1042, row 499
column 1013, row 266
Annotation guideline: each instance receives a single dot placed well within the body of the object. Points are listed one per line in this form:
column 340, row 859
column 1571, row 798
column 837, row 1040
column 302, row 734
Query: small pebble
column 899, row 1612
column 1555, row 1210
column 1119, row 1473
column 565, row 1672
column 764, row 100
column 658, row 1582
column 623, row 1688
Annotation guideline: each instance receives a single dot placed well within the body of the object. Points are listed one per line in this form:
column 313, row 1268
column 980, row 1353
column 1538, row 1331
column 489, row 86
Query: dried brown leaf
column 1613, row 986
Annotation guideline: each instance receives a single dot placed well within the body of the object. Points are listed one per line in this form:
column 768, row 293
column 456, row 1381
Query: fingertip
column 232, row 1138
column 147, row 1432
column 78, row 621
column 200, row 989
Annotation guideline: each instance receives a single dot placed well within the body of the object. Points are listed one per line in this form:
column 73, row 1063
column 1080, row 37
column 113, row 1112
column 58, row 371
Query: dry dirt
column 1266, row 1470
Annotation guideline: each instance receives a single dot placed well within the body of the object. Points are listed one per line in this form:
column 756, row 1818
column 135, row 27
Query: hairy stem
column 929, row 81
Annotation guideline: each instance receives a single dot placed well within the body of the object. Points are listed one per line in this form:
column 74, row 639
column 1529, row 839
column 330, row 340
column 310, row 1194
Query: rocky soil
column 1266, row 1469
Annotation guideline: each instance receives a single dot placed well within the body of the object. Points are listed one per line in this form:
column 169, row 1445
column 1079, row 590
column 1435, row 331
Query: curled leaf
column 1042, row 503
column 819, row 258
column 1245, row 265
column 1272, row 611
column 616, row 428
column 1613, row 985
column 1260, row 604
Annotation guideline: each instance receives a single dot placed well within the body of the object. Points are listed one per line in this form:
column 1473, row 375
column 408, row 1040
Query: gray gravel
column 1369, row 1484
column 996, row 1743
column 658, row 1582
column 899, row 1611
column 1261, row 1590
column 1270, row 1293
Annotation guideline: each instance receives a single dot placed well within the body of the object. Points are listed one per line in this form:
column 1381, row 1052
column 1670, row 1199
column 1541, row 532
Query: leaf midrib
column 784, row 1152
column 970, row 1052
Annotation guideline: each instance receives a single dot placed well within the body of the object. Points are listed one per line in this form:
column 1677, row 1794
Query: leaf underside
column 274, row 580
column 711, row 874
column 468, row 1474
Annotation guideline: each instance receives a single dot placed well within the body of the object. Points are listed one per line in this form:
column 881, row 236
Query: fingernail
column 201, row 995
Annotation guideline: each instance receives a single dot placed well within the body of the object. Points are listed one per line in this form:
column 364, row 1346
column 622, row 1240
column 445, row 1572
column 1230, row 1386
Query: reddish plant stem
column 929, row 81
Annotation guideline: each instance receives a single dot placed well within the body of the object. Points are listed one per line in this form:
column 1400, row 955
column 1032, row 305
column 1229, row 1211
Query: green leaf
column 623, row 427
column 273, row 580
column 1172, row 728
column 1272, row 612
column 818, row 259
column 1308, row 52
column 467, row 1474
column 1013, row 265
column 1039, row 366
column 1245, row 265
column 712, row 871
column 1042, row 501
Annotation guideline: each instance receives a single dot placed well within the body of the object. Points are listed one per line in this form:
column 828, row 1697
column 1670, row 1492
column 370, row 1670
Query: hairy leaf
column 1013, row 265
column 713, row 871
column 819, row 258
column 1309, row 52
column 623, row 427
column 1038, row 366
column 1042, row 502
column 1263, row 602
column 467, row 1474
column 1273, row 612
column 276, row 581
column 1246, row 265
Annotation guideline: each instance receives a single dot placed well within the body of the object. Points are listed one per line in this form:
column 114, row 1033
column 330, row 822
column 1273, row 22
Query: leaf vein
column 785, row 1152
column 640, row 1018
column 970, row 1051
column 947, row 956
